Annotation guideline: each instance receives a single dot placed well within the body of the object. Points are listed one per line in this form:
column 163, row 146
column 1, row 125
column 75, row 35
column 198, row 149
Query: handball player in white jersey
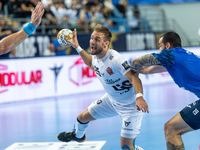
column 124, row 93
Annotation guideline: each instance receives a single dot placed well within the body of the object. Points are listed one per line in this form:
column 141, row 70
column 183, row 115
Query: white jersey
column 110, row 71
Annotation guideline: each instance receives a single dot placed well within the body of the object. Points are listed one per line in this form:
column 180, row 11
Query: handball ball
column 64, row 35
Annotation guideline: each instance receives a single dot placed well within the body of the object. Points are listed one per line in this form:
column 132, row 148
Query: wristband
column 29, row 29
column 79, row 49
column 138, row 95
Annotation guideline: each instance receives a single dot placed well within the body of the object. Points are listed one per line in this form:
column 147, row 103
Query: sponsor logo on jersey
column 109, row 70
column 111, row 57
column 125, row 65
column 111, row 81
column 124, row 87
column 96, row 69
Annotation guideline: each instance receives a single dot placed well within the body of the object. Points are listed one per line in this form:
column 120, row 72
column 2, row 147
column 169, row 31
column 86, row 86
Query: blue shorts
column 191, row 115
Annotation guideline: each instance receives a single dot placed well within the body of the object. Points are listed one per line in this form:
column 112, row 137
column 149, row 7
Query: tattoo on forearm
column 146, row 60
column 171, row 146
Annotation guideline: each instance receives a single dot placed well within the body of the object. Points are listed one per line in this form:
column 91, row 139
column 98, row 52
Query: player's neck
column 102, row 54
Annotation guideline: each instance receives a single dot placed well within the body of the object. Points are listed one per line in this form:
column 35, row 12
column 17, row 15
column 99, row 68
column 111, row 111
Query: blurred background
column 136, row 25
column 39, row 78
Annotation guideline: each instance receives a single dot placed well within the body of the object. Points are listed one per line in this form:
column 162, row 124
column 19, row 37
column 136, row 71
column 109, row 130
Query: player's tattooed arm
column 146, row 60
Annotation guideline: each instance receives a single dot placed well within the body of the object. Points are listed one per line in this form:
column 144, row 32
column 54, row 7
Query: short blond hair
column 105, row 31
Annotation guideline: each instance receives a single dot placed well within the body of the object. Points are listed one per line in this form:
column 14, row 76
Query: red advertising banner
column 41, row 77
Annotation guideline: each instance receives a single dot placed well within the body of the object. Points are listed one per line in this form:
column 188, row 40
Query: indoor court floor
column 34, row 125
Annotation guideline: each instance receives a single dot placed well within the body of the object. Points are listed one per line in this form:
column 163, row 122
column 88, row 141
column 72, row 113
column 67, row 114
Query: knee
column 85, row 117
column 169, row 129
column 80, row 118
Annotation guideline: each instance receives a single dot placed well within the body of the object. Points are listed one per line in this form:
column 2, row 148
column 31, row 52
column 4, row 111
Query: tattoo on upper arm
column 146, row 60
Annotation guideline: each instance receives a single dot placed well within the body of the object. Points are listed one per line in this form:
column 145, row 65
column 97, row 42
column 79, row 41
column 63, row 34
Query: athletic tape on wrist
column 29, row 29
column 79, row 49
column 138, row 95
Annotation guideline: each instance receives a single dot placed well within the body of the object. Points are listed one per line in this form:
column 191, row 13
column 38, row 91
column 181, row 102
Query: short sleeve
column 122, row 65
column 166, row 57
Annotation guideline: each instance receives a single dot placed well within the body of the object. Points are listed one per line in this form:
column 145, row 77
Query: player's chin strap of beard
column 126, row 147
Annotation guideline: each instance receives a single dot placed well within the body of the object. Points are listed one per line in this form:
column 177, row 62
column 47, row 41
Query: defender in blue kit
column 184, row 68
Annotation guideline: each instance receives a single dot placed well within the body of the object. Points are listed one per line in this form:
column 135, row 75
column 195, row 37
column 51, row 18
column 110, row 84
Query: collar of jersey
column 106, row 56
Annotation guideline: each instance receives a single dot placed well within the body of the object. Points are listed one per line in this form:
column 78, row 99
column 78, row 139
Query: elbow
column 145, row 72
column 7, row 49
column 4, row 50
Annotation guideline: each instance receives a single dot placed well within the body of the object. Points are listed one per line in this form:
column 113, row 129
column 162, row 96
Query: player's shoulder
column 114, row 54
column 117, row 59
column 180, row 50
column 175, row 49
column 165, row 50
column 112, row 51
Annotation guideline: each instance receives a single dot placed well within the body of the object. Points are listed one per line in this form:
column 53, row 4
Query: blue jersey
column 183, row 66
column 56, row 44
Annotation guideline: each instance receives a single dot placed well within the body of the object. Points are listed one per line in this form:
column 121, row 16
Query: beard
column 96, row 51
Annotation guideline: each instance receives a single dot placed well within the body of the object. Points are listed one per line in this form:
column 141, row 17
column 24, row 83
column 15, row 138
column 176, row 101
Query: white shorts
column 105, row 107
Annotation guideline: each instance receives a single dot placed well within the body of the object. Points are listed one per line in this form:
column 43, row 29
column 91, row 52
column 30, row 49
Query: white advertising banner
column 33, row 78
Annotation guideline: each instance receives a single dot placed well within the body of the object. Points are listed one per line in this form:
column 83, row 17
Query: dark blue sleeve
column 166, row 57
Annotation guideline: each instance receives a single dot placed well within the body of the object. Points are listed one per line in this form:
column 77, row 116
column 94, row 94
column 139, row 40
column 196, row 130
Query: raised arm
column 10, row 42
column 87, row 58
column 137, row 84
